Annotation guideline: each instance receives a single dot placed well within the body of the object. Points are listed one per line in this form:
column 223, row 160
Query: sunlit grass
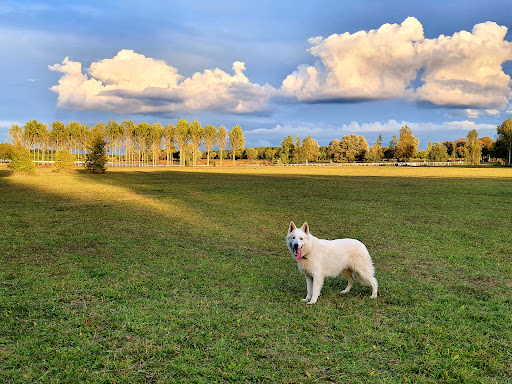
column 182, row 275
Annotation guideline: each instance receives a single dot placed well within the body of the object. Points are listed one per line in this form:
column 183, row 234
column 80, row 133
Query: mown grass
column 162, row 276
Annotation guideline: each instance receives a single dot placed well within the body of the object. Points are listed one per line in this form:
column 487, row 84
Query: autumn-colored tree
column 310, row 149
column 473, row 148
column 64, row 161
column 352, row 148
column 251, row 153
column 287, row 150
column 407, row 144
column 487, row 147
column 504, row 141
column 196, row 135
column 375, row 153
column 438, row 152
column 16, row 134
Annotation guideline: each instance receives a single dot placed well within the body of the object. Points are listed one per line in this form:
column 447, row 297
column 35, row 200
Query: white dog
column 318, row 259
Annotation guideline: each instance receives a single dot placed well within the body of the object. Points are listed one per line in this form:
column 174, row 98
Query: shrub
column 21, row 160
column 64, row 161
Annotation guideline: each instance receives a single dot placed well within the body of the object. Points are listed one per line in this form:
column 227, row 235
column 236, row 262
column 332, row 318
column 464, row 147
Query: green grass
column 163, row 276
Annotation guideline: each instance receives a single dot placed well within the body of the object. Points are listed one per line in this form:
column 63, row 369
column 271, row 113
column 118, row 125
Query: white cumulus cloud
column 133, row 83
column 375, row 64
column 463, row 70
column 466, row 69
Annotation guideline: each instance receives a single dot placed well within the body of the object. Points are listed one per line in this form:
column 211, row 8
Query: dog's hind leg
column 375, row 286
column 369, row 279
column 309, row 284
column 347, row 274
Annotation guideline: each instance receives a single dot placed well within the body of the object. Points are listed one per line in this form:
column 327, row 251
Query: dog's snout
column 296, row 245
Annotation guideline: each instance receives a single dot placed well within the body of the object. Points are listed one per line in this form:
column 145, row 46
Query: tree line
column 129, row 144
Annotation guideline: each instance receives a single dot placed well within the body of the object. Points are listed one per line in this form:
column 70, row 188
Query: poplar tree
column 196, row 135
column 221, row 141
column 209, row 139
column 170, row 138
column 236, row 140
column 182, row 137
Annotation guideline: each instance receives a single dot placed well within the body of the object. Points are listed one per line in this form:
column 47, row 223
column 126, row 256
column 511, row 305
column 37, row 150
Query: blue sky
column 325, row 68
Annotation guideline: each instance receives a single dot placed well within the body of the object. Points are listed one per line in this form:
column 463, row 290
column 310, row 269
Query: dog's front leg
column 309, row 284
column 318, row 281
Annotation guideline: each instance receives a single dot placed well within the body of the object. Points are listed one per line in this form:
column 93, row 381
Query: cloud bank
column 133, row 83
column 463, row 70
column 395, row 61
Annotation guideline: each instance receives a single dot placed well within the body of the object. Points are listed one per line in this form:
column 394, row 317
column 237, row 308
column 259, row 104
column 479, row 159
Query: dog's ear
column 305, row 228
column 292, row 227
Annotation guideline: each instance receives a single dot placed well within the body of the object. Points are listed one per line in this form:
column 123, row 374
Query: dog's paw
column 311, row 302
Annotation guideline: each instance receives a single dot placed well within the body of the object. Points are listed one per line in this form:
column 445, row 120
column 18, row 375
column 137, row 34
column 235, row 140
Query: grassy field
column 183, row 276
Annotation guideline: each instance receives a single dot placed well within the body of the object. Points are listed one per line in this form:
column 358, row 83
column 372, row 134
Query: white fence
column 392, row 164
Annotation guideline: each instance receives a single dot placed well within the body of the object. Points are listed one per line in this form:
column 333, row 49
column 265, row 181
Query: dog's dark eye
column 293, row 237
column 302, row 238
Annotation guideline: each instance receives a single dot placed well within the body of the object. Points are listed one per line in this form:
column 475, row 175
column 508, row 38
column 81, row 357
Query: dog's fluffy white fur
column 318, row 259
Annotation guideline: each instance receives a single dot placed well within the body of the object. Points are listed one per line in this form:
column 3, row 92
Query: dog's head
column 297, row 239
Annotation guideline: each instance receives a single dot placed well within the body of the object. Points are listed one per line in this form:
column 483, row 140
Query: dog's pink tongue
column 299, row 254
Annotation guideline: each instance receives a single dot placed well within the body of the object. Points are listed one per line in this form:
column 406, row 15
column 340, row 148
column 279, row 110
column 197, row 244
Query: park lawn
column 182, row 275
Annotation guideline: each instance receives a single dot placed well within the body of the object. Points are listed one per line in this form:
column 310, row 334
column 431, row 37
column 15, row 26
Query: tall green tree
column 473, row 148
column 221, row 141
column 196, row 136
column 407, row 145
column 182, row 137
column 209, row 139
column 504, row 141
column 236, row 140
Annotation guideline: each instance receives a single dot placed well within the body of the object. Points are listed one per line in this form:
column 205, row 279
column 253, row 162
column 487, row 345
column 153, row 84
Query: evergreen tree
column 97, row 155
